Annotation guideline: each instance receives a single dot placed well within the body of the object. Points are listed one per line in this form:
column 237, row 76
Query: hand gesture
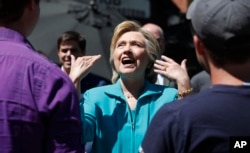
column 81, row 66
column 172, row 70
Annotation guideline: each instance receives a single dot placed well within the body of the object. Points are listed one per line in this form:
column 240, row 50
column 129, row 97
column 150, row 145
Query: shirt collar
column 14, row 36
column 149, row 89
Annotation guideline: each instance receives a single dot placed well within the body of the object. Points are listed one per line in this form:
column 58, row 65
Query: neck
column 64, row 70
column 17, row 26
column 132, row 87
column 231, row 74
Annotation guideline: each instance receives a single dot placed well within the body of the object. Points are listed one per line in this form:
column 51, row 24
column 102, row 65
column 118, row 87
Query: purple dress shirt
column 39, row 106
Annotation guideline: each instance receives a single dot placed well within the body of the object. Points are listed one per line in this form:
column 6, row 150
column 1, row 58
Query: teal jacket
column 111, row 125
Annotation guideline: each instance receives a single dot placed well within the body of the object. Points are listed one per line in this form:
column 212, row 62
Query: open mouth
column 127, row 60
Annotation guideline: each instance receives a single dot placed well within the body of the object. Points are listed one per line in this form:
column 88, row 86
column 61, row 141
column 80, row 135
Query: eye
column 73, row 50
column 120, row 45
column 137, row 44
column 64, row 50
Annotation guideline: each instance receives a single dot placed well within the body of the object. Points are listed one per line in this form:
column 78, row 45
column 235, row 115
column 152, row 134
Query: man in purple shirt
column 39, row 106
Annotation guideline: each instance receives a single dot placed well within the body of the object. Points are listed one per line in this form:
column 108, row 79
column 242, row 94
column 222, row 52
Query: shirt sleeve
column 60, row 113
column 88, row 116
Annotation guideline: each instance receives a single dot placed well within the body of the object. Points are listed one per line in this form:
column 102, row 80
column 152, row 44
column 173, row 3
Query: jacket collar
column 149, row 89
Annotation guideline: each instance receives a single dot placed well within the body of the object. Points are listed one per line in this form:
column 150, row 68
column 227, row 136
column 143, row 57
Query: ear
column 32, row 5
column 199, row 46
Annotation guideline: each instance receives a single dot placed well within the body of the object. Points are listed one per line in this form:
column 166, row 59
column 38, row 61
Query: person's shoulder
column 48, row 67
column 39, row 62
column 200, row 81
column 201, row 75
column 100, row 89
column 165, row 93
column 47, row 63
column 192, row 103
column 100, row 93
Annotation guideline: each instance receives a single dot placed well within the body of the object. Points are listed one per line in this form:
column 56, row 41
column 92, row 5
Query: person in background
column 115, row 117
column 173, row 74
column 39, row 104
column 212, row 120
column 201, row 81
column 71, row 51
column 71, row 48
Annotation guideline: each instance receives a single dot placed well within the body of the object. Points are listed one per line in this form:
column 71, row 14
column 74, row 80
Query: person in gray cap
column 217, row 119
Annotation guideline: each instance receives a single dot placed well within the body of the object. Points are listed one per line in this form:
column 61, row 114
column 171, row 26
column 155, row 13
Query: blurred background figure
column 201, row 81
column 69, row 44
column 73, row 45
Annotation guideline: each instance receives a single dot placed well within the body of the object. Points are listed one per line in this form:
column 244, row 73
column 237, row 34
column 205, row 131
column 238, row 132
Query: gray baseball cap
column 222, row 25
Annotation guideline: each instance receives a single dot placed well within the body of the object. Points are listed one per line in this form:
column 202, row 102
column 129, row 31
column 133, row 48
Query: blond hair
column 152, row 48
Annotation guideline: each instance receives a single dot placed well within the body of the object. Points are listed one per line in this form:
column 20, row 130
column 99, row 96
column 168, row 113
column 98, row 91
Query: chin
column 128, row 71
column 67, row 66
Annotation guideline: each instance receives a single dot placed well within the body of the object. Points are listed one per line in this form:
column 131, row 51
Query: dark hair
column 12, row 10
column 72, row 36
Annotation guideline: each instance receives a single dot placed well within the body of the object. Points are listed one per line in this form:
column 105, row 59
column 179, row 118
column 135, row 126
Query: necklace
column 131, row 100
column 129, row 96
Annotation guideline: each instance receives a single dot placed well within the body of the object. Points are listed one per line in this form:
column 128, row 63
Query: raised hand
column 81, row 66
column 172, row 70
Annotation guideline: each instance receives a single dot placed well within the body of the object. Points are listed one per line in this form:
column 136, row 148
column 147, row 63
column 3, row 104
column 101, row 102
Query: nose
column 127, row 48
column 68, row 53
